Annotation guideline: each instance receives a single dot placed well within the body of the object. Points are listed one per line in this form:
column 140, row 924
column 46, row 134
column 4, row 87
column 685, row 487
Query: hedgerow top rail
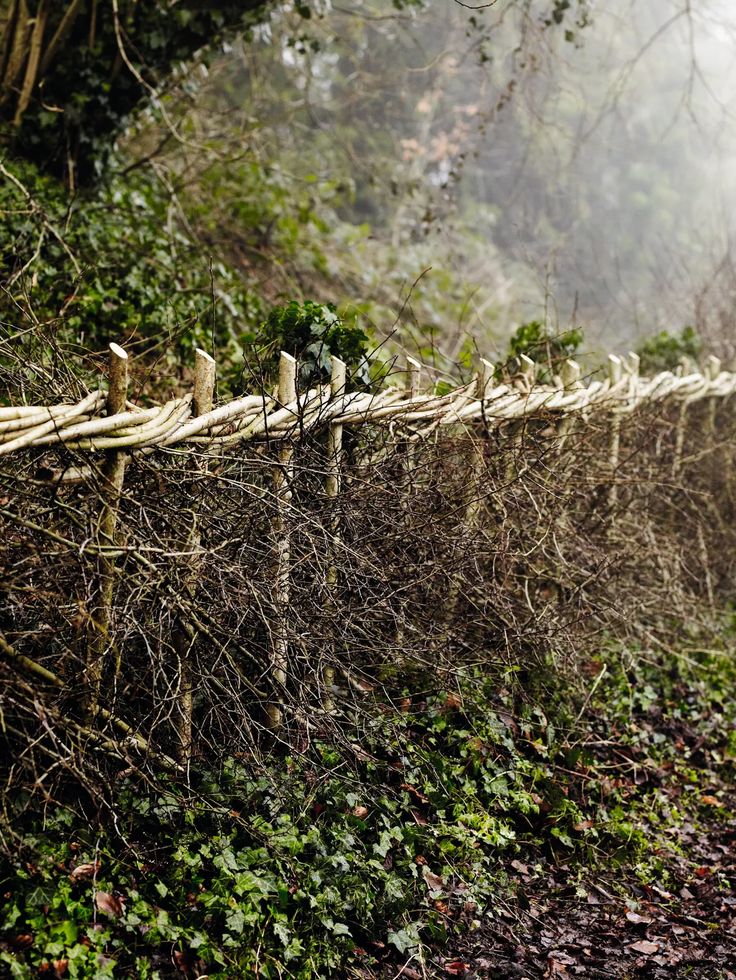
column 87, row 426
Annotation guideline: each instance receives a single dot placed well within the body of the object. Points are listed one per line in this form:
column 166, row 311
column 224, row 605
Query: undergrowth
column 378, row 847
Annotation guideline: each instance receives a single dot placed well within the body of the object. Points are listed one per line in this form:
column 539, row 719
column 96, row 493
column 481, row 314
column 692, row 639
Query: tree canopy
column 72, row 72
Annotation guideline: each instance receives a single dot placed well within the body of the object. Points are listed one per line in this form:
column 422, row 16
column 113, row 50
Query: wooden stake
column 413, row 376
column 475, row 498
column 283, row 475
column 332, row 489
column 712, row 370
column 680, row 430
column 615, row 373
column 570, row 373
column 205, row 370
column 474, row 505
column 413, row 386
column 113, row 475
column 524, row 381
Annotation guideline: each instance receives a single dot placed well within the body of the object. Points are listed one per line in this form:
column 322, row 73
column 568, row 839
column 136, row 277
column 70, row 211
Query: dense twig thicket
column 506, row 548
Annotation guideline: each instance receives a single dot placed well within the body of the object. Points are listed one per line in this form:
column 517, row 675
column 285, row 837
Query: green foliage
column 664, row 351
column 290, row 872
column 297, row 869
column 313, row 333
column 85, row 94
column 113, row 266
column 543, row 347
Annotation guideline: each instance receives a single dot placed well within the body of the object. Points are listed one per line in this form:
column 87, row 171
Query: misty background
column 450, row 173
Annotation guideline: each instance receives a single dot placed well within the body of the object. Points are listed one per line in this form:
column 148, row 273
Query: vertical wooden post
column 202, row 401
column 712, row 370
column 615, row 373
column 475, row 495
column 570, row 373
column 332, row 489
column 205, row 370
column 413, row 383
column 113, row 476
column 483, row 385
column 524, row 381
column 680, row 430
column 283, row 474
column 413, row 376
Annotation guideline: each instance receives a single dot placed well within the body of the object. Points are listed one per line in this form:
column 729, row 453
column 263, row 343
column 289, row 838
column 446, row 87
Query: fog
column 577, row 173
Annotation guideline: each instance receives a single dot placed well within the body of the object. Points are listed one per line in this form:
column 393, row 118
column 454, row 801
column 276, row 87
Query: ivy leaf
column 235, row 921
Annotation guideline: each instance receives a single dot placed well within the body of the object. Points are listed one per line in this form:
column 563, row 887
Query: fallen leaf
column 360, row 812
column 61, row 967
column 583, row 825
column 523, row 869
column 711, row 800
column 645, row 947
column 109, row 904
column 186, row 962
column 638, row 920
column 456, row 968
column 414, row 791
column 433, row 881
column 84, row 871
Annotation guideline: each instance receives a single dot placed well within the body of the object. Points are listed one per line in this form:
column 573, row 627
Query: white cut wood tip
column 571, row 372
column 486, row 373
column 118, row 351
column 632, row 361
column 338, row 375
column 413, row 375
column 528, row 366
column 688, row 365
column 713, row 367
column 615, row 368
column 287, row 378
column 203, row 355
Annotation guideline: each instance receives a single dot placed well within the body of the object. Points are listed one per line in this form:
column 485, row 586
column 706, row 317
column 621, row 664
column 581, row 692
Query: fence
column 180, row 578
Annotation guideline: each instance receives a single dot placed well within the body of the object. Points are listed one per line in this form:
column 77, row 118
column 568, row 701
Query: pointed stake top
column 570, row 373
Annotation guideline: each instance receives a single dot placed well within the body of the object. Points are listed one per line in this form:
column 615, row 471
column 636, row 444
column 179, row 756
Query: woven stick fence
column 88, row 427
column 319, row 506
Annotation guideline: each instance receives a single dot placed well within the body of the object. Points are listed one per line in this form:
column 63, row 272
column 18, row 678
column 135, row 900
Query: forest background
column 503, row 168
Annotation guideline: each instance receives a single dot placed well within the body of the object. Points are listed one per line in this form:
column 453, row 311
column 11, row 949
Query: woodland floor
column 561, row 923
column 669, row 914
column 611, row 928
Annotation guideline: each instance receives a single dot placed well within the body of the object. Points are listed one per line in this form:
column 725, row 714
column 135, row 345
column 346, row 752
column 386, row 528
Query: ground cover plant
column 450, row 812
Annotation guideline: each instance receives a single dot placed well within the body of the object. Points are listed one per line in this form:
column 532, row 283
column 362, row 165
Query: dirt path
column 615, row 927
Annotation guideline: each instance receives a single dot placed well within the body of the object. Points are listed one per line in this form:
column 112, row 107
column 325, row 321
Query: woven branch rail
column 108, row 424
column 87, row 426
